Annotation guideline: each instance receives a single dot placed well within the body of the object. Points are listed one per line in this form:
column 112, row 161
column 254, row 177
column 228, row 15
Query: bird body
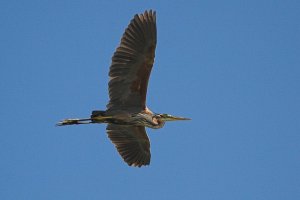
column 144, row 118
column 127, row 114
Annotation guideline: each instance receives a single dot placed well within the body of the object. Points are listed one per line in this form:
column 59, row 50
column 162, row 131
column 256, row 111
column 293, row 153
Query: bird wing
column 131, row 142
column 132, row 63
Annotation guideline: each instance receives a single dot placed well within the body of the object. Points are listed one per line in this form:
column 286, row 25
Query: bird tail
column 99, row 116
column 97, row 113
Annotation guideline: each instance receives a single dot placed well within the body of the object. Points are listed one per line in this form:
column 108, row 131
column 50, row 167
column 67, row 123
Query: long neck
column 160, row 123
column 156, row 123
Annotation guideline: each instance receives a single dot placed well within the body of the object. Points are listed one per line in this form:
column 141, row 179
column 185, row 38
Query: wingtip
column 149, row 12
column 139, row 165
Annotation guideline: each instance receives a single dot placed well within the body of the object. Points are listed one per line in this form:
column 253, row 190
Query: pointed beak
column 174, row 118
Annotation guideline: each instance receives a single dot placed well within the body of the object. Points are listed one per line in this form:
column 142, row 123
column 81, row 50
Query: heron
column 127, row 115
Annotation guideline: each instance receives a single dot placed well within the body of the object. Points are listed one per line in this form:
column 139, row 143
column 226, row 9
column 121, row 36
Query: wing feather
column 132, row 64
column 131, row 142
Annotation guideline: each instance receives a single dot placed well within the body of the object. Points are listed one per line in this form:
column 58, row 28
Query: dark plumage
column 132, row 63
column 127, row 114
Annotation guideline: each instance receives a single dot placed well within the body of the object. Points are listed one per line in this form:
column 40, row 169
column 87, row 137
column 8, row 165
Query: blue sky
column 232, row 66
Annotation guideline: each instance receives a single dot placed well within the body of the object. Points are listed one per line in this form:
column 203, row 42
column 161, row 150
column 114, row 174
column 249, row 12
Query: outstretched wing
column 132, row 63
column 131, row 142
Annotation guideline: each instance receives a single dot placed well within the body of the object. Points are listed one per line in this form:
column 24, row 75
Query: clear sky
column 232, row 66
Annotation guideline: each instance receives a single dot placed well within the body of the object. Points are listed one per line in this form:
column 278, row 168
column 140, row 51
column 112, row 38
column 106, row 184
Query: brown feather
column 132, row 64
column 131, row 142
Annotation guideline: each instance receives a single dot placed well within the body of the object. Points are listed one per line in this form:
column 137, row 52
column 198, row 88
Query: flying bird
column 127, row 115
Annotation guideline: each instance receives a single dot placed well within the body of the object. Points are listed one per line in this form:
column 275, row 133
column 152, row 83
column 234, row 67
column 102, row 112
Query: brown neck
column 157, row 123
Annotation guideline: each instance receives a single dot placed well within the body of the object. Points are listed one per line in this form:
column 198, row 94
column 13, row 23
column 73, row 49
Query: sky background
column 232, row 66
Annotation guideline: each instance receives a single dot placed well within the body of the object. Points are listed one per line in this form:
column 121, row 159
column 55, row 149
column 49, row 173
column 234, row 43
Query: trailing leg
column 74, row 122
